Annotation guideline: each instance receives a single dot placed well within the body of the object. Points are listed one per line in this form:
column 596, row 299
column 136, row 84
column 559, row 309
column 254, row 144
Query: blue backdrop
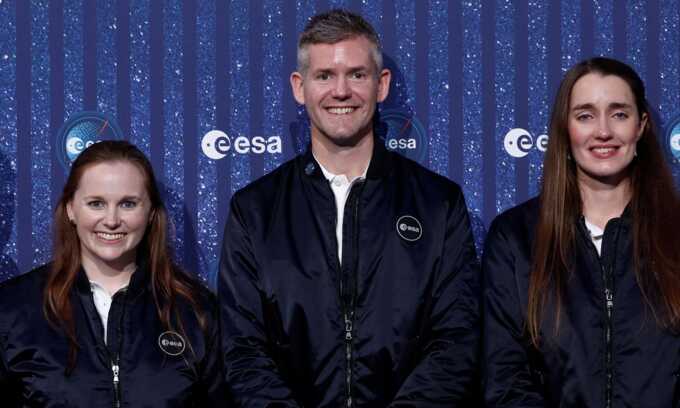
column 465, row 74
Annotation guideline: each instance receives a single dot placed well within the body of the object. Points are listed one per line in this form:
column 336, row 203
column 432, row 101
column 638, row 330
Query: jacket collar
column 138, row 281
column 379, row 167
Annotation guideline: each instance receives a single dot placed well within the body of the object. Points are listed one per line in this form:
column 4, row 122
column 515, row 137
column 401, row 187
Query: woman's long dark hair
column 167, row 281
column 654, row 206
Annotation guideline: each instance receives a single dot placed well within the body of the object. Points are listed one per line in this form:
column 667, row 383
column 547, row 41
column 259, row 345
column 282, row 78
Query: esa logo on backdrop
column 216, row 144
column 518, row 142
column 674, row 138
column 83, row 130
column 405, row 134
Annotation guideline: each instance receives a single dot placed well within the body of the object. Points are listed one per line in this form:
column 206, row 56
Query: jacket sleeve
column 9, row 389
column 508, row 380
column 447, row 374
column 213, row 386
column 251, row 372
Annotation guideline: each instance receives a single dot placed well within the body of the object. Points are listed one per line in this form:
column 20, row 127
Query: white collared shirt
column 596, row 234
column 102, row 301
column 341, row 187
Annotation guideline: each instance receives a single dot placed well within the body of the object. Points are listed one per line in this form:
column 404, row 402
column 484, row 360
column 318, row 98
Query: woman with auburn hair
column 582, row 284
column 111, row 321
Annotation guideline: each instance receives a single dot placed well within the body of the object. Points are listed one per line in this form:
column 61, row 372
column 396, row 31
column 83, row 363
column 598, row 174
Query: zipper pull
column 610, row 298
column 116, row 371
column 348, row 328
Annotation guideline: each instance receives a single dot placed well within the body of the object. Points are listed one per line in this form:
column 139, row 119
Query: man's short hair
column 332, row 27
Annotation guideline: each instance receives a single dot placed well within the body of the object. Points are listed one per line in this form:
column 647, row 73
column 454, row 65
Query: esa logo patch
column 171, row 343
column 405, row 134
column 83, row 130
column 409, row 228
column 674, row 137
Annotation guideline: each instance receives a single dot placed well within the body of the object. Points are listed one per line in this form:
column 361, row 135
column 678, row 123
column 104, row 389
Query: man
column 348, row 275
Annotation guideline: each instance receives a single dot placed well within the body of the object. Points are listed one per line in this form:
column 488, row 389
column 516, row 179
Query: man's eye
column 323, row 76
column 358, row 75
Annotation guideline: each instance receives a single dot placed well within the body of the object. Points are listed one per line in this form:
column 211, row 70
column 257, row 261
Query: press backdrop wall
column 167, row 72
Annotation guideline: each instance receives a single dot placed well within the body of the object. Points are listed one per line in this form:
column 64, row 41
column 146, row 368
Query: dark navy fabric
column 34, row 354
column 413, row 295
column 569, row 369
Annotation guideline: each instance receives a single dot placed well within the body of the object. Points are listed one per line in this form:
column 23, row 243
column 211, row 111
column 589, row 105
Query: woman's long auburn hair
column 654, row 210
column 168, row 282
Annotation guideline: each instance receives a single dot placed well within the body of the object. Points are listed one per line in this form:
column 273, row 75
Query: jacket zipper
column 608, row 312
column 348, row 356
column 348, row 296
column 115, row 361
column 609, row 306
column 115, row 368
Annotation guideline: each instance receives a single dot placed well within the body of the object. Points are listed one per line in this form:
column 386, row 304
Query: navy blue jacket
column 608, row 351
column 396, row 324
column 34, row 355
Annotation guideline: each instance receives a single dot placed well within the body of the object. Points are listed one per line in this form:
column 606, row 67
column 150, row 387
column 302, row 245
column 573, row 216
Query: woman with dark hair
column 582, row 284
column 111, row 321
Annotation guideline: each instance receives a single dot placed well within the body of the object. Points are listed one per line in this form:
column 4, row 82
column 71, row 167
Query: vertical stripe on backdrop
column 636, row 36
column 669, row 74
column 122, row 50
column 587, row 22
column 410, row 90
column 540, row 95
column 455, row 63
column 173, row 117
column 255, row 83
column 289, row 38
column 40, row 134
column 332, row 4
column 8, row 142
column 73, row 58
column 505, row 80
column 604, row 27
column 405, row 22
column 488, row 116
column 222, row 105
column 322, row 5
column 156, row 73
column 106, row 58
column 207, row 235
column 239, row 73
column 554, row 45
column 299, row 128
column 388, row 34
column 422, row 63
column 89, row 18
column 620, row 14
column 651, row 78
column 520, row 60
column 189, row 135
column 273, row 83
column 55, row 38
column 438, row 87
column 472, row 106
column 23, row 139
column 372, row 12
column 570, row 34
column 140, row 77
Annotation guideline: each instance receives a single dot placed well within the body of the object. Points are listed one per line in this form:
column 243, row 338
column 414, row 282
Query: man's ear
column 384, row 84
column 296, row 83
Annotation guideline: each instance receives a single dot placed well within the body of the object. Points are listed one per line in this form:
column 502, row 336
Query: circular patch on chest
column 171, row 343
column 409, row 228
